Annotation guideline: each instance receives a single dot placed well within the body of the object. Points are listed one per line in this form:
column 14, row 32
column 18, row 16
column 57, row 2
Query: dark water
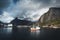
column 26, row 34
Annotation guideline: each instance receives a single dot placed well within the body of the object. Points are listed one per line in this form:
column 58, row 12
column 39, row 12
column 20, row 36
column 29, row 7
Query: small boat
column 34, row 29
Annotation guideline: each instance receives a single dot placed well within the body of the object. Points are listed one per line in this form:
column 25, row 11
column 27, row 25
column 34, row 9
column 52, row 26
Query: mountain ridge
column 52, row 17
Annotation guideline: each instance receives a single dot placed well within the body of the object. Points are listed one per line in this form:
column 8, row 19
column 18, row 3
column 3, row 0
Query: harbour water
column 24, row 33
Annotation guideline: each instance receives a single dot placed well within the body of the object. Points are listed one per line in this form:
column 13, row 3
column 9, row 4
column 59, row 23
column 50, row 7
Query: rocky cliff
column 51, row 17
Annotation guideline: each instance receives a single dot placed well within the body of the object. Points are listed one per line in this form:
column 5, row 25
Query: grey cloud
column 1, row 12
column 4, row 4
column 28, row 9
column 15, row 1
column 43, row 1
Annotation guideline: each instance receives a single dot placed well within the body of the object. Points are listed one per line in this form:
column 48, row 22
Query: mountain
column 52, row 17
column 1, row 22
column 17, row 21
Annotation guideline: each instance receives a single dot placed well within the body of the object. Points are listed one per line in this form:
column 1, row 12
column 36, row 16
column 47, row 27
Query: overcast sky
column 25, row 9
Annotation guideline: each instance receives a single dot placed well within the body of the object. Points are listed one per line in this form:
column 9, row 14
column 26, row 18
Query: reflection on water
column 7, row 30
column 24, row 33
column 35, row 33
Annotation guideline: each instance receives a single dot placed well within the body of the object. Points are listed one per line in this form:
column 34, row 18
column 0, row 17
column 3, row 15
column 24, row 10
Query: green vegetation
column 51, row 22
column 55, row 21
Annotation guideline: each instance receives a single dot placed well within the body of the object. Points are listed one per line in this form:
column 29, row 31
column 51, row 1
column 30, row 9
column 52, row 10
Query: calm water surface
column 25, row 34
